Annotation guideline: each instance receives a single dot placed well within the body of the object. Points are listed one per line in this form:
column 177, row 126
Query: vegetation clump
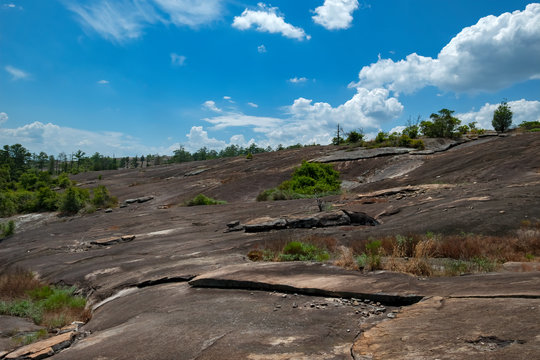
column 502, row 117
column 7, row 229
column 201, row 199
column 22, row 295
column 300, row 251
column 309, row 180
column 530, row 126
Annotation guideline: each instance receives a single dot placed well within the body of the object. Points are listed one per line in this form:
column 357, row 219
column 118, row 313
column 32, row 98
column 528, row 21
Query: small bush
column 310, row 179
column 531, row 126
column 299, row 251
column 7, row 229
column 102, row 198
column 204, row 200
column 73, row 200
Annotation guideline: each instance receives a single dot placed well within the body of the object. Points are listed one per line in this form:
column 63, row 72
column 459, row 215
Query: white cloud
column 124, row 20
column 297, row 80
column 3, row 117
column 335, row 14
column 199, row 138
column 523, row 110
column 253, row 105
column 490, row 55
column 267, row 19
column 54, row 139
column 211, row 105
column 103, row 82
column 398, row 129
column 307, row 122
column 259, row 124
column 261, row 49
column 191, row 12
column 229, row 99
column 178, row 60
column 16, row 74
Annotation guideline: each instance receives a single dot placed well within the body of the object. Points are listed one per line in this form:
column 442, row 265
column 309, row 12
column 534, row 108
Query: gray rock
column 266, row 226
column 360, row 218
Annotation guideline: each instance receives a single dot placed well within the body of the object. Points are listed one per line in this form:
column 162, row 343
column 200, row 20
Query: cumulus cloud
column 261, row 49
column 123, row 20
column 178, row 60
column 307, row 122
column 211, row 105
column 496, row 52
column 267, row 19
column 3, row 117
column 335, row 14
column 54, row 139
column 199, row 138
column 296, row 80
column 523, row 110
column 259, row 123
column 16, row 74
column 103, row 82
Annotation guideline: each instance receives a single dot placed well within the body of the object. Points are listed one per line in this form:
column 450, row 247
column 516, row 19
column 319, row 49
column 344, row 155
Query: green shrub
column 73, row 200
column 299, row 251
column 7, row 229
column 103, row 198
column 531, row 126
column 249, row 156
column 63, row 181
column 310, row 179
column 373, row 250
column 441, row 125
column 8, row 206
column 204, row 200
column 47, row 199
column 354, row 137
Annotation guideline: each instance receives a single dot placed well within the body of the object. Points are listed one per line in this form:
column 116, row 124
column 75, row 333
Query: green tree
column 354, row 137
column 502, row 117
column 441, row 125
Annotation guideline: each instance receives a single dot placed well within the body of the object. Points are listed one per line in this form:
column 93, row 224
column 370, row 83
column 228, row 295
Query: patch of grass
column 200, row 200
column 31, row 337
column 24, row 296
column 299, row 251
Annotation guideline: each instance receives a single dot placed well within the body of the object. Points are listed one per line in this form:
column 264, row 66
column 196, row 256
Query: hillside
column 235, row 308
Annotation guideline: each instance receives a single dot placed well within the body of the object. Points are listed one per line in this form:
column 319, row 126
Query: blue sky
column 130, row 77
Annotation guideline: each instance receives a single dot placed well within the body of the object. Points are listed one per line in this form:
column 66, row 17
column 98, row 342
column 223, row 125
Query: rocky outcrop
column 326, row 219
column 113, row 240
column 43, row 348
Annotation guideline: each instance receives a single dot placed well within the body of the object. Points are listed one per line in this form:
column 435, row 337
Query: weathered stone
column 336, row 218
column 271, row 224
column 360, row 218
column 144, row 199
column 109, row 210
column 113, row 240
column 302, row 223
column 516, row 266
column 233, row 224
column 43, row 347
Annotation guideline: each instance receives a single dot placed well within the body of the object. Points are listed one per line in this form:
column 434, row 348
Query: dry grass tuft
column 16, row 282
column 345, row 259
